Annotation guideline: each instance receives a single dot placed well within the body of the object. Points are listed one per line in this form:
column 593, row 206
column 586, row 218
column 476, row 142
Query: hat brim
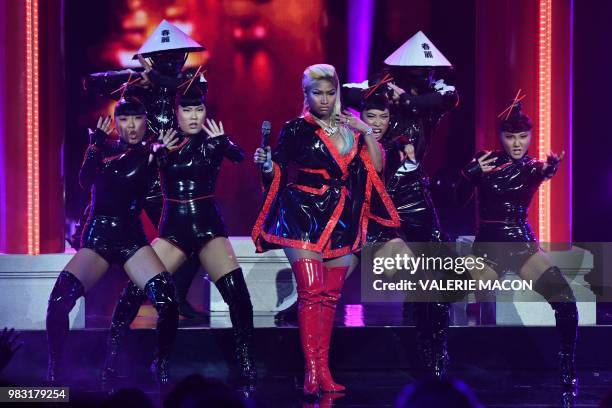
column 186, row 49
column 421, row 66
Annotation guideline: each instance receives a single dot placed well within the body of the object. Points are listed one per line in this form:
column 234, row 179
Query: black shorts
column 191, row 224
column 505, row 247
column 115, row 239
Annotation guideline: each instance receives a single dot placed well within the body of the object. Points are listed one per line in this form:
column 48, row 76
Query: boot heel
column 311, row 381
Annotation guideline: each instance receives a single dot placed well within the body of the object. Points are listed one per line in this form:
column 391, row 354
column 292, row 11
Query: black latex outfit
column 188, row 174
column 118, row 174
column 506, row 241
column 189, row 220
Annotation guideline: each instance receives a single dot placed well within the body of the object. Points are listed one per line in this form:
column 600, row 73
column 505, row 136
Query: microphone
column 266, row 128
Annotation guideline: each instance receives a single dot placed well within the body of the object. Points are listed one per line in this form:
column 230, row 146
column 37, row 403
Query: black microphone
column 266, row 128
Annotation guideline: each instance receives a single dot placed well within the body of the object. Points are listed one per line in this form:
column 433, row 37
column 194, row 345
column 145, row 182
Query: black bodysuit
column 412, row 199
column 503, row 198
column 415, row 121
column 118, row 175
column 190, row 216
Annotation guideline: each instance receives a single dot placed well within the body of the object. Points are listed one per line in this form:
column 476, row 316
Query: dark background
column 449, row 24
column 592, row 137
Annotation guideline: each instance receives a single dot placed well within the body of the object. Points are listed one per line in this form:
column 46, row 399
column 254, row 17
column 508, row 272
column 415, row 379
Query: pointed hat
column 167, row 37
column 418, row 51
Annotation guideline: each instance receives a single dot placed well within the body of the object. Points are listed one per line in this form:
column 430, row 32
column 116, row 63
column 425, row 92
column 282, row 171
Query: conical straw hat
column 167, row 37
column 418, row 51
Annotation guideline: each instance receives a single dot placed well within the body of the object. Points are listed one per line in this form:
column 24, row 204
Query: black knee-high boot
column 566, row 316
column 234, row 291
column 161, row 292
column 423, row 331
column 124, row 314
column 555, row 289
column 182, row 280
column 68, row 288
column 431, row 321
column 440, row 316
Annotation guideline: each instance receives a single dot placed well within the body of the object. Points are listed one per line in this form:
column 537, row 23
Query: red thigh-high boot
column 332, row 288
column 309, row 278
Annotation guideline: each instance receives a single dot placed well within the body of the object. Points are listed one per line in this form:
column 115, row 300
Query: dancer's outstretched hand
column 169, row 139
column 553, row 160
column 166, row 140
column 145, row 82
column 213, row 129
column 485, row 163
column 104, row 124
column 397, row 91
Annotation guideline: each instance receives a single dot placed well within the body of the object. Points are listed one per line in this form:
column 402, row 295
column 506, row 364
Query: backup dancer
column 118, row 174
column 506, row 181
column 162, row 57
column 418, row 104
column 191, row 223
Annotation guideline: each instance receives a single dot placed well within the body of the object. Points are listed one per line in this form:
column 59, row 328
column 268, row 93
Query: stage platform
column 26, row 281
column 506, row 352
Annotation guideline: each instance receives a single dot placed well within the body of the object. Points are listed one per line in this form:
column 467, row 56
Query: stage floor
column 493, row 388
column 373, row 353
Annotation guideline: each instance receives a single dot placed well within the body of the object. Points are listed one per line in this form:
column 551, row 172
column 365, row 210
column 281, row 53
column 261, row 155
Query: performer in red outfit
column 323, row 217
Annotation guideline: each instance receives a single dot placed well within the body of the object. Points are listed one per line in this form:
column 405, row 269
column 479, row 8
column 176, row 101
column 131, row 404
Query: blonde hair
column 327, row 72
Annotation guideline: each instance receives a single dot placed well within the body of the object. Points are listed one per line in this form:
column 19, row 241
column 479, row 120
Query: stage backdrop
column 257, row 51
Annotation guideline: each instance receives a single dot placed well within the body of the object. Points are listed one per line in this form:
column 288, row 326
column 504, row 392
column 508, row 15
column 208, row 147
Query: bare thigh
column 293, row 254
column 143, row 266
column 485, row 274
column 218, row 258
column 87, row 266
column 170, row 256
column 482, row 274
column 391, row 249
column 353, row 265
column 535, row 266
column 340, row 261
